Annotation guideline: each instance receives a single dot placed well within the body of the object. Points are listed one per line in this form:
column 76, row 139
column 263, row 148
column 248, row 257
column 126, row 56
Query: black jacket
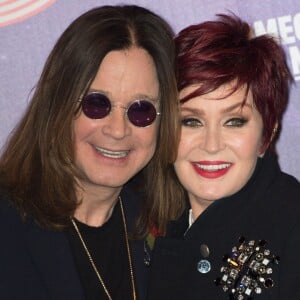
column 266, row 209
column 37, row 264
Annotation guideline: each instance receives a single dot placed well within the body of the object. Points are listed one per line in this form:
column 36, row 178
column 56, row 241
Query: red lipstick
column 211, row 169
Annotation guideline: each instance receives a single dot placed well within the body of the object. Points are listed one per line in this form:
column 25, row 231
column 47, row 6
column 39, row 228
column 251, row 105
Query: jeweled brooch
column 248, row 270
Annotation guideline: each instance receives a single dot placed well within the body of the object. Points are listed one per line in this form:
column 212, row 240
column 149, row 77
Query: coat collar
column 226, row 210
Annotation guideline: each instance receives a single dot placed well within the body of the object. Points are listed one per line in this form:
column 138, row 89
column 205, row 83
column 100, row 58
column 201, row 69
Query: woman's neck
column 198, row 206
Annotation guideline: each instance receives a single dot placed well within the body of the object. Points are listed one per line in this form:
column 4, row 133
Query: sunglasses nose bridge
column 120, row 106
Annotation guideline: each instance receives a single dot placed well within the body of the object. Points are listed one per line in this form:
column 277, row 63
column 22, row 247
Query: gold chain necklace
column 93, row 263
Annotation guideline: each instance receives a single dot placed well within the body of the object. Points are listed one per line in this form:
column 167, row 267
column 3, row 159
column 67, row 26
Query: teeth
column 213, row 167
column 112, row 154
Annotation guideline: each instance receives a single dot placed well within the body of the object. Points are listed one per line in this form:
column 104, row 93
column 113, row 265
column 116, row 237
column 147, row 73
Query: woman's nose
column 213, row 140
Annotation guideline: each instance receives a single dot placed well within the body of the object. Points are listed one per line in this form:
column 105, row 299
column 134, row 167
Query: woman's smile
column 211, row 169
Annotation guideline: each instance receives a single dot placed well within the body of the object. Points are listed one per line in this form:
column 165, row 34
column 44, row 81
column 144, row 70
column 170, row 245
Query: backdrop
column 29, row 29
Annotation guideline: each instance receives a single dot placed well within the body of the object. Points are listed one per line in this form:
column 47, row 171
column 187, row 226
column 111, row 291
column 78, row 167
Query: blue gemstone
column 234, row 254
column 203, row 266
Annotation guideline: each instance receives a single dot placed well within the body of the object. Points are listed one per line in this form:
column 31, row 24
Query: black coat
column 266, row 209
column 37, row 264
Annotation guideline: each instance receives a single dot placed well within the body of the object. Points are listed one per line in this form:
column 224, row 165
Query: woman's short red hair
column 218, row 52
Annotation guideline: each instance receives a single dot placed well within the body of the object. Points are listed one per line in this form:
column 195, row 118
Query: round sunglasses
column 140, row 113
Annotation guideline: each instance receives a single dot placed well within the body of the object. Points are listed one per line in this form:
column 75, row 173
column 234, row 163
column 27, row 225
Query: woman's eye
column 236, row 122
column 191, row 122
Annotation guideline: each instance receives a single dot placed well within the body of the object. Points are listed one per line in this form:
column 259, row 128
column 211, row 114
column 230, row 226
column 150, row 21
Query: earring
column 274, row 132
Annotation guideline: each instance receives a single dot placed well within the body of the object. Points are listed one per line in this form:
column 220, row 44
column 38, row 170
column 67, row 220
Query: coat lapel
column 52, row 257
column 131, row 207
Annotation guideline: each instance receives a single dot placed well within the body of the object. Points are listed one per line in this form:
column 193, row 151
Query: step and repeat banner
column 29, row 29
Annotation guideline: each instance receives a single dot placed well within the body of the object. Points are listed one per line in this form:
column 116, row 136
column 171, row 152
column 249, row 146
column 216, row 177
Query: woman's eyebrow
column 235, row 106
column 225, row 110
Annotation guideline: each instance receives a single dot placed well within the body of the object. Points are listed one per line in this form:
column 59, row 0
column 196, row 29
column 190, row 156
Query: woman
column 239, row 236
column 104, row 102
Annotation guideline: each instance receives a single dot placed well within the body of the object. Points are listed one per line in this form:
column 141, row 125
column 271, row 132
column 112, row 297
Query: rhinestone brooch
column 248, row 270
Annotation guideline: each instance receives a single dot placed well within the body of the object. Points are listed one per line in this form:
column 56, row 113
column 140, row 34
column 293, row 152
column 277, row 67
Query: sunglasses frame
column 126, row 108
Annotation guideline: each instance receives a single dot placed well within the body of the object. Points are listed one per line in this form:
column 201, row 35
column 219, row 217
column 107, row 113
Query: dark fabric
column 267, row 208
column 38, row 264
column 107, row 247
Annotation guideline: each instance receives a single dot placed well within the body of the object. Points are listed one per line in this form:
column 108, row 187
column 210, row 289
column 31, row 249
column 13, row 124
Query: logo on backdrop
column 13, row 11
column 287, row 28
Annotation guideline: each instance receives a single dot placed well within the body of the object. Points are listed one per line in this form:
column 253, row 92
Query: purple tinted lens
column 95, row 106
column 141, row 113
